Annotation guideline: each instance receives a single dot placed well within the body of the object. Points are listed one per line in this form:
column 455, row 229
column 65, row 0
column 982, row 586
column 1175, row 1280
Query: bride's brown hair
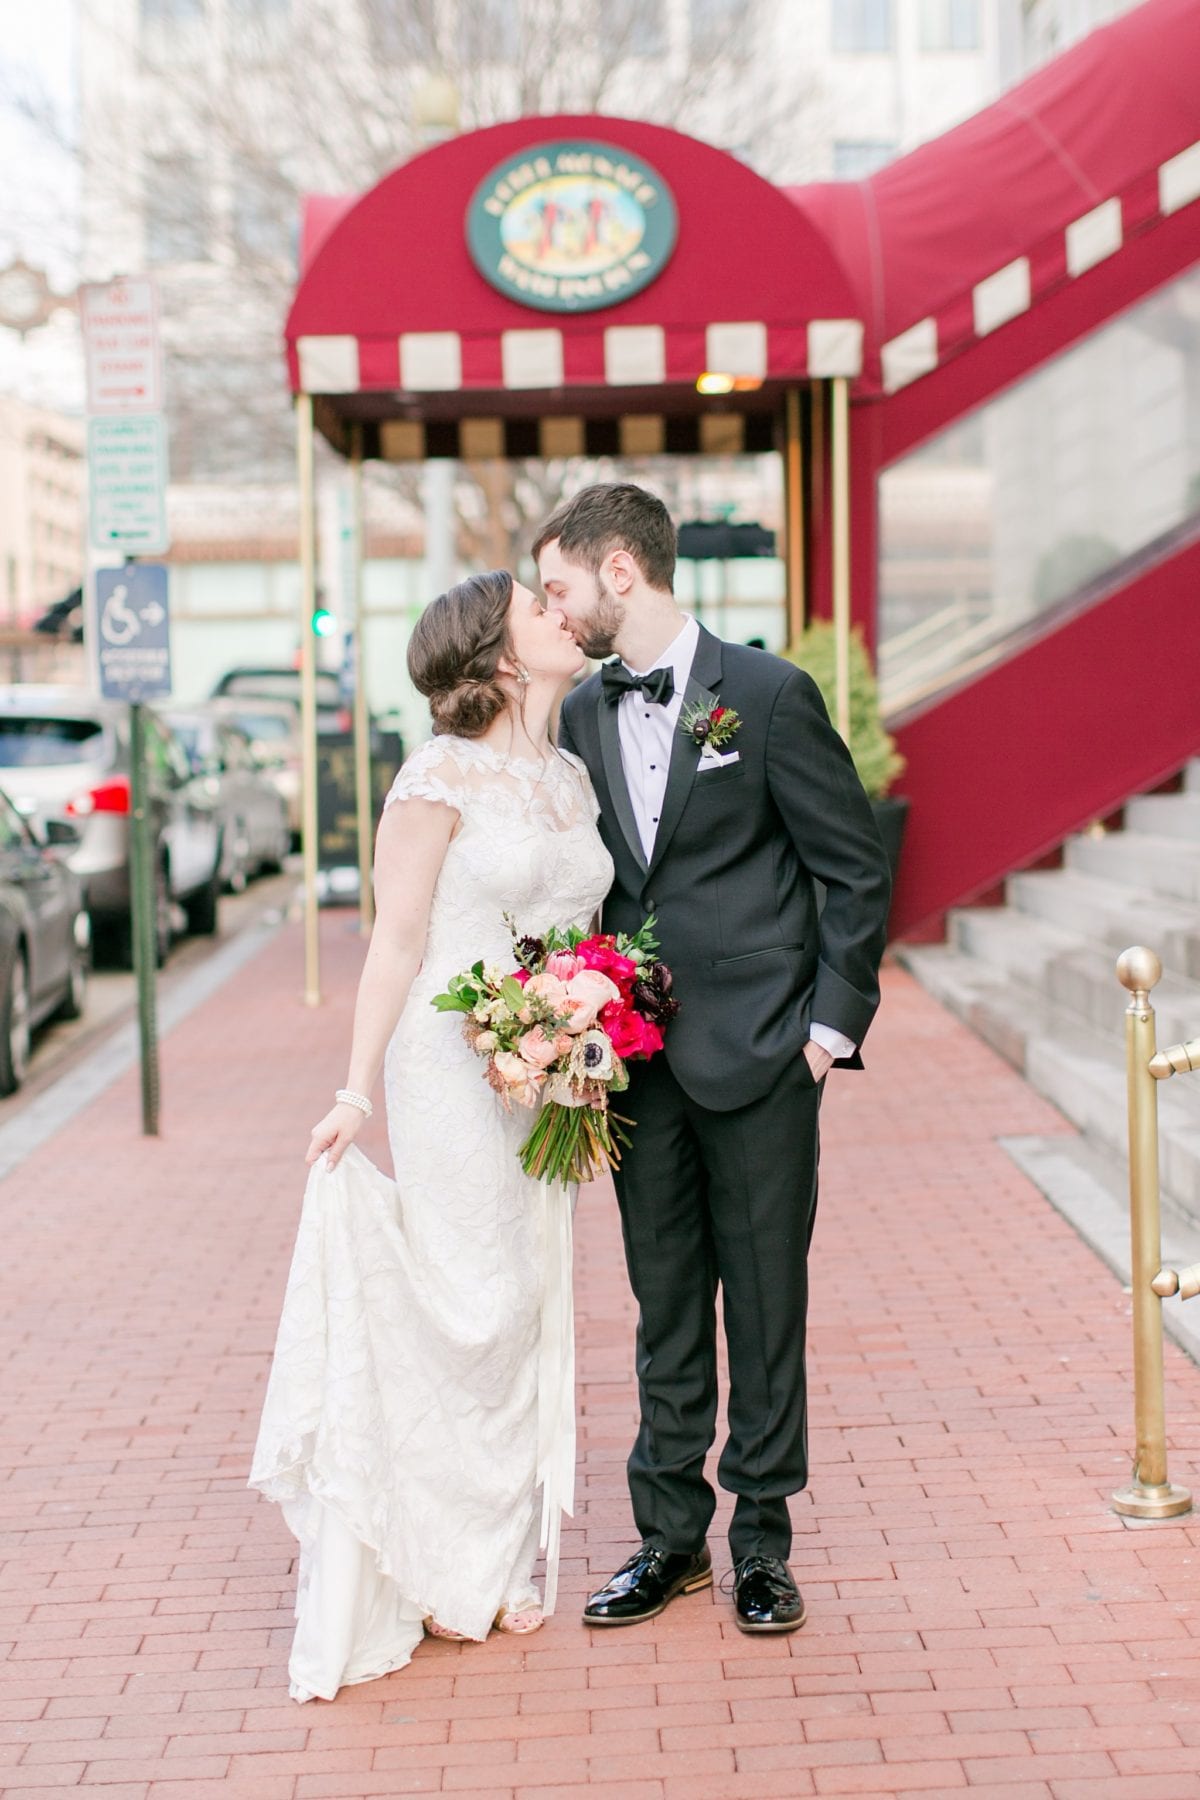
column 455, row 651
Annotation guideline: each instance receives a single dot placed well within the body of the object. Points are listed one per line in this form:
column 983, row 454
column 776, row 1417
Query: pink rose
column 521, row 976
column 601, row 953
column 536, row 1048
column 563, row 964
column 631, row 1034
column 584, row 996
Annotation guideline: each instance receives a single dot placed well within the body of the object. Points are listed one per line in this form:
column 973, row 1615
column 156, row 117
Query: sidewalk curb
column 74, row 1090
column 1076, row 1184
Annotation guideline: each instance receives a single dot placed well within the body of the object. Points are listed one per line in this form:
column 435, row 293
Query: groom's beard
column 597, row 634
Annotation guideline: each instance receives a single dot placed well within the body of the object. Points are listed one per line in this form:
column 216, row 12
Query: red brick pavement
column 978, row 1620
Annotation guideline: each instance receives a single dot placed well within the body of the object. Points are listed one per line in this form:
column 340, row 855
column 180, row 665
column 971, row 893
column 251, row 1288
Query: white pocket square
column 712, row 759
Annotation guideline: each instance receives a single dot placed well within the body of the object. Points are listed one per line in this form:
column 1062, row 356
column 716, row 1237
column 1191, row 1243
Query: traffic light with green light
column 323, row 622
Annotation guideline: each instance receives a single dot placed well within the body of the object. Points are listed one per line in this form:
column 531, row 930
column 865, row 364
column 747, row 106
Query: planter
column 891, row 812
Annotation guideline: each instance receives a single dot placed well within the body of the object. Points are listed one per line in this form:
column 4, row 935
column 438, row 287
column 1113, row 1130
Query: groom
column 719, row 827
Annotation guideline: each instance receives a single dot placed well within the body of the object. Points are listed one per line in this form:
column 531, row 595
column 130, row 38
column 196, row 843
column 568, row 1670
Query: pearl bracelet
column 352, row 1099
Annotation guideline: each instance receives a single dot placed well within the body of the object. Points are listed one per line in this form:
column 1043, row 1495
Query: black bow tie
column 616, row 681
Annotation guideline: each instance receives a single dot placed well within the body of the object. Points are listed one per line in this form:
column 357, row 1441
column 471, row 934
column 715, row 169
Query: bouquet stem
column 573, row 1143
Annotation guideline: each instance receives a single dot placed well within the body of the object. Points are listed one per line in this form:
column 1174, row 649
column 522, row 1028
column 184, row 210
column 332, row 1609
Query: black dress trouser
column 724, row 1198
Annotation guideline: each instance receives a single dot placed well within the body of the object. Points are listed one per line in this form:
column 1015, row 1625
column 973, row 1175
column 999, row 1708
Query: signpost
column 133, row 612
column 126, row 610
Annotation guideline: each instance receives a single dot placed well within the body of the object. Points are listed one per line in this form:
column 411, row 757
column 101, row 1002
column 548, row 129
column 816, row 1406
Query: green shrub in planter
column 871, row 745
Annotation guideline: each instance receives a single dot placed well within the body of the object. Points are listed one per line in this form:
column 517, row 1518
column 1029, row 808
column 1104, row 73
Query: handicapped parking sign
column 133, row 631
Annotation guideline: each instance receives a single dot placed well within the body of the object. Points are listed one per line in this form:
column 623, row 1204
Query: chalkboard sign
column 337, row 834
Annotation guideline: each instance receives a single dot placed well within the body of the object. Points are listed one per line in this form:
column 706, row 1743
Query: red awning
column 953, row 240
column 392, row 320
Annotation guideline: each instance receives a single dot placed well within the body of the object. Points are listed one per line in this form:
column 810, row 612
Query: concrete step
column 1044, row 961
column 1171, row 866
column 1077, row 1067
column 1111, row 916
column 1165, row 815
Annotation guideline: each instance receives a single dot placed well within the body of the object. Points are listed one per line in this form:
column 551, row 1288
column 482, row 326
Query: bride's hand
column 337, row 1130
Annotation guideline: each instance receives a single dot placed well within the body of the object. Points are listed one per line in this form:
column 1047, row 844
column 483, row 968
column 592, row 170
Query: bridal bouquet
column 557, row 1031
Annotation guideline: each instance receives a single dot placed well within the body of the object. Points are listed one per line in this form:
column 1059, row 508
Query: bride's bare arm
column 409, row 851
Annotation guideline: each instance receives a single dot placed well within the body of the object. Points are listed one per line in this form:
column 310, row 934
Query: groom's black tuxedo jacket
column 730, row 881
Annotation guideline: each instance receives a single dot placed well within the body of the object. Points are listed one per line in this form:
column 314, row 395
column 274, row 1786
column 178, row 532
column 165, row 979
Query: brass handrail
column 1149, row 1494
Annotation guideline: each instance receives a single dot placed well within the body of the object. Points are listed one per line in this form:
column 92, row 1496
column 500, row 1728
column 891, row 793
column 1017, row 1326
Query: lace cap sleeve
column 589, row 793
column 430, row 773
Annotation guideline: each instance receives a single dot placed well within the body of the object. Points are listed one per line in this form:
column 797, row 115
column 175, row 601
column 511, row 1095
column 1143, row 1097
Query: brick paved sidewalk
column 978, row 1620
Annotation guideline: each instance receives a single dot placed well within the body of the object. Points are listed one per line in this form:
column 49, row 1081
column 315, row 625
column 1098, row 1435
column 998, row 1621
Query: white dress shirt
column 647, row 733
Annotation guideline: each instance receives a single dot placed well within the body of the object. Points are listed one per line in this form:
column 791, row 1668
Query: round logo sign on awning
column 571, row 226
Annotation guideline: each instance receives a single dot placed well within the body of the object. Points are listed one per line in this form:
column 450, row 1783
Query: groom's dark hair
column 614, row 515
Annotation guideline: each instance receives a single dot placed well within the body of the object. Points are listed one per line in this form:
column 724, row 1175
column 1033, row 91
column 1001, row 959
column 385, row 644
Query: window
column 176, row 210
column 949, row 24
column 645, row 32
column 1065, row 482
column 715, row 21
column 264, row 215
column 862, row 25
column 853, row 159
column 159, row 13
column 489, row 31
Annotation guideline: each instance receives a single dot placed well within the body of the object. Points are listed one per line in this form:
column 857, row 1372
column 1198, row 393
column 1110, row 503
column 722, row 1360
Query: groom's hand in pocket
column 819, row 1060
column 336, row 1132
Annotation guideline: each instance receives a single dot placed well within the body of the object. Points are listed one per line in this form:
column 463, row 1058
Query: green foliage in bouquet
column 871, row 745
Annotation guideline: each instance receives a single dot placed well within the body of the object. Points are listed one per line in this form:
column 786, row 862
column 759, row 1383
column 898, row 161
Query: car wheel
column 75, row 998
column 15, row 1030
column 272, row 862
column 201, row 907
column 237, row 869
column 123, row 932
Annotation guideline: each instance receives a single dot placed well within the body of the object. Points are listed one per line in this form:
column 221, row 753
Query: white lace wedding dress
column 422, row 1386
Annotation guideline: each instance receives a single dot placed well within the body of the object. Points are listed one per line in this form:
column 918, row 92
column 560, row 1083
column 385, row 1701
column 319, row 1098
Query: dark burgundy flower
column 652, row 996
column 530, row 951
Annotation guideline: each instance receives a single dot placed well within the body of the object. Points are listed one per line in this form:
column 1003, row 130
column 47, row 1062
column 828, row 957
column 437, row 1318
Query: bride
column 420, row 1393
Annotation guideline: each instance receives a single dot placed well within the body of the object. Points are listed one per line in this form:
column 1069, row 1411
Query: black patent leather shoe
column 765, row 1598
column 643, row 1586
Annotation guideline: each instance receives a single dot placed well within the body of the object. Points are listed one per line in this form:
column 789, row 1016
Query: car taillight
column 109, row 797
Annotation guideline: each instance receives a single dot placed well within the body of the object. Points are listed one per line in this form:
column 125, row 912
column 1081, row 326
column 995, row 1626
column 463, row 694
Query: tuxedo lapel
column 685, row 752
column 614, row 775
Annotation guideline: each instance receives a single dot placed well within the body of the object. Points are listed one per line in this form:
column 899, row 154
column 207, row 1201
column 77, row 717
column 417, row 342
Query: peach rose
column 536, row 1048
column 521, row 1083
column 585, row 995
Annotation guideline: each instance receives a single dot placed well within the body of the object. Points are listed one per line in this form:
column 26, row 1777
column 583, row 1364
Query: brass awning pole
column 840, row 525
column 1150, row 1494
column 308, row 694
column 362, row 718
column 793, row 515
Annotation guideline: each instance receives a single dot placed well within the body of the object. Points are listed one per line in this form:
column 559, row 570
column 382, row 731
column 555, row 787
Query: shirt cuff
column 836, row 1042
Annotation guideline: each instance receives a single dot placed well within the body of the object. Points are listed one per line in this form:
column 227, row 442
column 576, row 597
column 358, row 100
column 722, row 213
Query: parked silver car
column 253, row 816
column 273, row 728
column 64, row 755
column 45, row 937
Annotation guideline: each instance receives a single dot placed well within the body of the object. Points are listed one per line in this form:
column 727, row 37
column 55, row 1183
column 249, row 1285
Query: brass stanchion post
column 793, row 514
column 840, row 527
column 1150, row 1494
column 362, row 720
column 308, row 694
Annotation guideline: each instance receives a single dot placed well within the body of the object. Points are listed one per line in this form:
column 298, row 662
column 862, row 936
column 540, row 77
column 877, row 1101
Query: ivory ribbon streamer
column 556, row 1381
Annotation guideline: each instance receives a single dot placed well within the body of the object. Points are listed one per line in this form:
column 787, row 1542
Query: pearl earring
column 522, row 674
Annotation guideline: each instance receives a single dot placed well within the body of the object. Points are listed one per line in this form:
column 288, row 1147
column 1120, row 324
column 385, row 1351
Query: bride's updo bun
column 455, row 651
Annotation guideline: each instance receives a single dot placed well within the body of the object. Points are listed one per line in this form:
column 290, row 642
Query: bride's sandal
column 443, row 1631
column 520, row 1622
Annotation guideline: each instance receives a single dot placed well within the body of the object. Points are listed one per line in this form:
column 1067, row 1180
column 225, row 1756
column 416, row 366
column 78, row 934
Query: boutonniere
column 711, row 725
